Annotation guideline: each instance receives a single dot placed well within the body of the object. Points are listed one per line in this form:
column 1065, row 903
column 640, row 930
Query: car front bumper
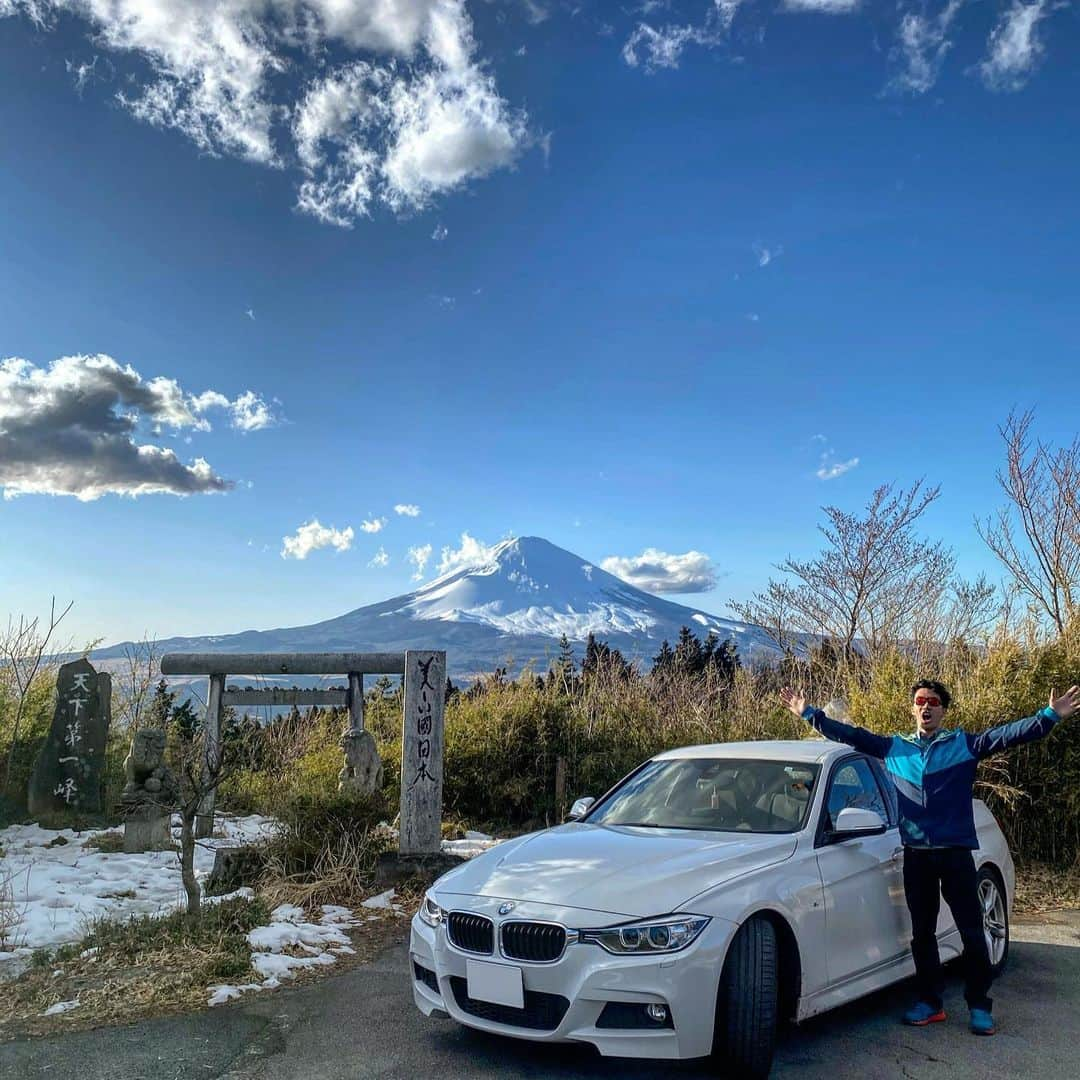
column 587, row 977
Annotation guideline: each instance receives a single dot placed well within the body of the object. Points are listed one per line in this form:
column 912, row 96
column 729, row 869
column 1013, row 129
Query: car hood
column 623, row 869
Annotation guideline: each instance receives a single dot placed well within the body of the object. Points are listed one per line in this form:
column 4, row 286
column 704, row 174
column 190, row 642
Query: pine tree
column 664, row 661
column 184, row 721
column 689, row 659
column 161, row 706
column 564, row 669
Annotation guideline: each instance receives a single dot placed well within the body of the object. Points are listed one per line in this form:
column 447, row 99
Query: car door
column 946, row 925
column 866, row 919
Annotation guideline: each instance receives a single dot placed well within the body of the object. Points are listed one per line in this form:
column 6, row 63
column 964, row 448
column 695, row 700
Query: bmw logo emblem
column 505, row 909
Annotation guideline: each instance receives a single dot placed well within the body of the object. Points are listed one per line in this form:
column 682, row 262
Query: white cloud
column 72, row 429
column 660, row 572
column 441, row 232
column 766, row 255
column 414, row 115
column 662, row 47
column 1014, row 50
column 380, row 559
column 81, row 73
column 404, row 134
column 251, row 413
column 823, row 7
column 472, row 552
column 407, row 510
column 373, row 525
column 830, row 468
column 419, row 556
column 312, row 536
column 921, row 46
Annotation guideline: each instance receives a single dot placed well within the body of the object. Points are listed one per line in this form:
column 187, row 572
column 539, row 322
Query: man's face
column 928, row 711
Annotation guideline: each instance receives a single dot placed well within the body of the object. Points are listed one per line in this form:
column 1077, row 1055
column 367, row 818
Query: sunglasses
column 923, row 701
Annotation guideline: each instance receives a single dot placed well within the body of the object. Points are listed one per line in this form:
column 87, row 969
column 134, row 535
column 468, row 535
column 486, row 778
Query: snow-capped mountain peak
column 511, row 607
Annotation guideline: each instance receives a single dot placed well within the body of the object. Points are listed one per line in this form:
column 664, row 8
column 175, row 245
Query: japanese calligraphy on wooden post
column 422, row 753
column 66, row 781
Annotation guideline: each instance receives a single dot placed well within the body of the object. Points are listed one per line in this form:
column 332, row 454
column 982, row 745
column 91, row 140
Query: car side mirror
column 854, row 821
column 580, row 808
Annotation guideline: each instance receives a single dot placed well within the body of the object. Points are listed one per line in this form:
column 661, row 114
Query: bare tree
column 23, row 650
column 875, row 584
column 202, row 770
column 1036, row 535
column 773, row 612
column 136, row 681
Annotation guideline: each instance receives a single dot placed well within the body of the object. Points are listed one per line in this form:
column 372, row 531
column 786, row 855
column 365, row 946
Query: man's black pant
column 952, row 871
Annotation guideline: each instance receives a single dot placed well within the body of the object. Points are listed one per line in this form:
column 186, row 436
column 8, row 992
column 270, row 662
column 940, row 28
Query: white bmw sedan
column 712, row 893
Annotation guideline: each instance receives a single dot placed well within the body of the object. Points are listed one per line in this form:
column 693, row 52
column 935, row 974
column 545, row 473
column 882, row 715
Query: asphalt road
column 362, row 1024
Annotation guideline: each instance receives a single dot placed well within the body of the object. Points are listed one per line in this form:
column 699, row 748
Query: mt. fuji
column 509, row 610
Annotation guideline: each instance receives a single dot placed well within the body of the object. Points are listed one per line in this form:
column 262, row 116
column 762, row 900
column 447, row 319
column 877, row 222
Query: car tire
column 995, row 908
column 747, row 1003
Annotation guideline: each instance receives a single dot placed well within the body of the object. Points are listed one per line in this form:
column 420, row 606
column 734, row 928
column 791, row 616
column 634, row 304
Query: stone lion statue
column 362, row 771
column 147, row 775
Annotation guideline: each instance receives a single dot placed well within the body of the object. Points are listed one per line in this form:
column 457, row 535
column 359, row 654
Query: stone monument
column 66, row 781
column 362, row 772
column 149, row 795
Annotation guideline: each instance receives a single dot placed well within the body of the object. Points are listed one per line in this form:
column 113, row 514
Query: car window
column 853, row 784
column 712, row 794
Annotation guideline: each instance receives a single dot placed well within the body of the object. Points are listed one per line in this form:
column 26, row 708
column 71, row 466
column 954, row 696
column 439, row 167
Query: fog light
column 656, row 1012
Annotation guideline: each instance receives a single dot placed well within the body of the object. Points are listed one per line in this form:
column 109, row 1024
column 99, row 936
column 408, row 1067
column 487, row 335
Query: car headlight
column 668, row 933
column 430, row 912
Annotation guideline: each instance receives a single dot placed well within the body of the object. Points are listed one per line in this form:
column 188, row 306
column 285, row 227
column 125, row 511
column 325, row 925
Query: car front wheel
column 747, row 1004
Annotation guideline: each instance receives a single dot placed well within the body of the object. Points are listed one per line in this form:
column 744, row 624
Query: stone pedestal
column 394, row 869
column 235, row 868
column 146, row 828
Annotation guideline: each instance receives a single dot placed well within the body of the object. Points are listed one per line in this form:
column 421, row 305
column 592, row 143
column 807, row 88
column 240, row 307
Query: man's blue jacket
column 934, row 777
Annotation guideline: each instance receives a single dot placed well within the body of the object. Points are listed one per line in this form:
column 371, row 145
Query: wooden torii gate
column 420, row 829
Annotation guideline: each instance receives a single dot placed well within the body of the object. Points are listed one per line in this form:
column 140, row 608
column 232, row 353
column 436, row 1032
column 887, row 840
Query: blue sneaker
column 921, row 1014
column 982, row 1022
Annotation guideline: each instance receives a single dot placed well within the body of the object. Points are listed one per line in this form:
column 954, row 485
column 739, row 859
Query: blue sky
column 622, row 277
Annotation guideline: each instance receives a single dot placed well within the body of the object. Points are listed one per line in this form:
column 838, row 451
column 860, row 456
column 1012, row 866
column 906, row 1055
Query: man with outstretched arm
column 933, row 772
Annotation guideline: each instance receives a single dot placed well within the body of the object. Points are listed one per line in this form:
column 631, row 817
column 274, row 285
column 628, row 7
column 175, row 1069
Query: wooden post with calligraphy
column 422, row 753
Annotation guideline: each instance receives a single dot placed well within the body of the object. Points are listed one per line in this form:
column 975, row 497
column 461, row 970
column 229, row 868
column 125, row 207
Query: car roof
column 815, row 750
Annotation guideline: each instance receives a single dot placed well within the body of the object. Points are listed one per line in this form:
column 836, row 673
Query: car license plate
column 498, row 984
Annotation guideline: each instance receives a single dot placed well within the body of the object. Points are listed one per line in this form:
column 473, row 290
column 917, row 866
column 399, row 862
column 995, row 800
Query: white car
column 712, row 893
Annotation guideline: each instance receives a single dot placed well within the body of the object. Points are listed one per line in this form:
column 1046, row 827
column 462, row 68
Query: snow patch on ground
column 60, row 1007
column 309, row 944
column 56, row 891
column 473, row 844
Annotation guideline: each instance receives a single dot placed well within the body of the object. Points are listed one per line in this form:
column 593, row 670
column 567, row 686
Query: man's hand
column 1067, row 704
column 796, row 702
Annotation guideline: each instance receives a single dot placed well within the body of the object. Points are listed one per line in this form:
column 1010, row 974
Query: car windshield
column 714, row 794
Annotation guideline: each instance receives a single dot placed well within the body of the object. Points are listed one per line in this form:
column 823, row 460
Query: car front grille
column 542, row 1012
column 534, row 941
column 472, row 933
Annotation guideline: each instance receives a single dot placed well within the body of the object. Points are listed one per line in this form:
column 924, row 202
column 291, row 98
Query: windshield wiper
column 643, row 825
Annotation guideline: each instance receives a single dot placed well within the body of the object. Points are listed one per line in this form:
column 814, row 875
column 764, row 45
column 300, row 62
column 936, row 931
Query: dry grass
column 141, row 967
column 1041, row 888
column 108, row 842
